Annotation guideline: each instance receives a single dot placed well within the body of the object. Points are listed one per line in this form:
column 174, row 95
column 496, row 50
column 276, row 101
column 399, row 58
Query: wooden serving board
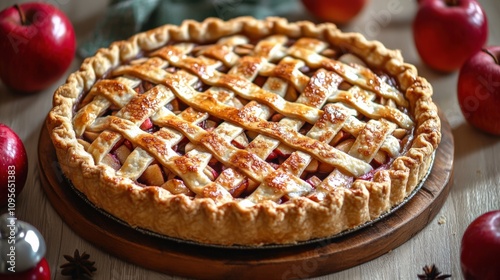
column 203, row 262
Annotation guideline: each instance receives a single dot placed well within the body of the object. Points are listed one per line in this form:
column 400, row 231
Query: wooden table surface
column 476, row 187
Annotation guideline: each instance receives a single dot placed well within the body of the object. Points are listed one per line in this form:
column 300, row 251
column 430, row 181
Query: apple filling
column 277, row 94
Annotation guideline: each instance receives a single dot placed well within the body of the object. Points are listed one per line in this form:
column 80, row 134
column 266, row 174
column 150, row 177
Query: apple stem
column 492, row 56
column 452, row 2
column 21, row 14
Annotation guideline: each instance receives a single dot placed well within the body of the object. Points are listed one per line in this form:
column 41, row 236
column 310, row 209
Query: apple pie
column 245, row 132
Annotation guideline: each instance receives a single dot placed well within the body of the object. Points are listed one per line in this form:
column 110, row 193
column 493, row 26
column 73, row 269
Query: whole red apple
column 336, row 11
column 478, row 90
column 480, row 248
column 40, row 272
column 37, row 46
column 13, row 165
column 447, row 32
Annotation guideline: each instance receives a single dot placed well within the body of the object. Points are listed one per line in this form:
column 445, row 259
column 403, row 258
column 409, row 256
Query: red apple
column 37, row 46
column 478, row 90
column 480, row 248
column 40, row 272
column 13, row 165
column 336, row 11
column 447, row 32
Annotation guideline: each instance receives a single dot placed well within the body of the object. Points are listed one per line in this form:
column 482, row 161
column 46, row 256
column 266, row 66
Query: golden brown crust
column 202, row 219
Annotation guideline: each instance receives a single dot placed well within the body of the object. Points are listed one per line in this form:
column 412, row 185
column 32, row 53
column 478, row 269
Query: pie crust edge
column 201, row 219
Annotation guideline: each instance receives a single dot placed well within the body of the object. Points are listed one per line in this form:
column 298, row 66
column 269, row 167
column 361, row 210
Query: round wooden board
column 203, row 262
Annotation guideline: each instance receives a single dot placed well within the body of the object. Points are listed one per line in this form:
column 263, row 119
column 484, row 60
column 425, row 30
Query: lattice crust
column 245, row 132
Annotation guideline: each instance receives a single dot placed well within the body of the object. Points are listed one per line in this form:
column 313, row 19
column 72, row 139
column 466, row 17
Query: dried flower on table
column 78, row 266
column 432, row 273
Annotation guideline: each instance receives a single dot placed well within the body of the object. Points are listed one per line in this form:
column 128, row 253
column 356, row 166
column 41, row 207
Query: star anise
column 78, row 266
column 432, row 273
